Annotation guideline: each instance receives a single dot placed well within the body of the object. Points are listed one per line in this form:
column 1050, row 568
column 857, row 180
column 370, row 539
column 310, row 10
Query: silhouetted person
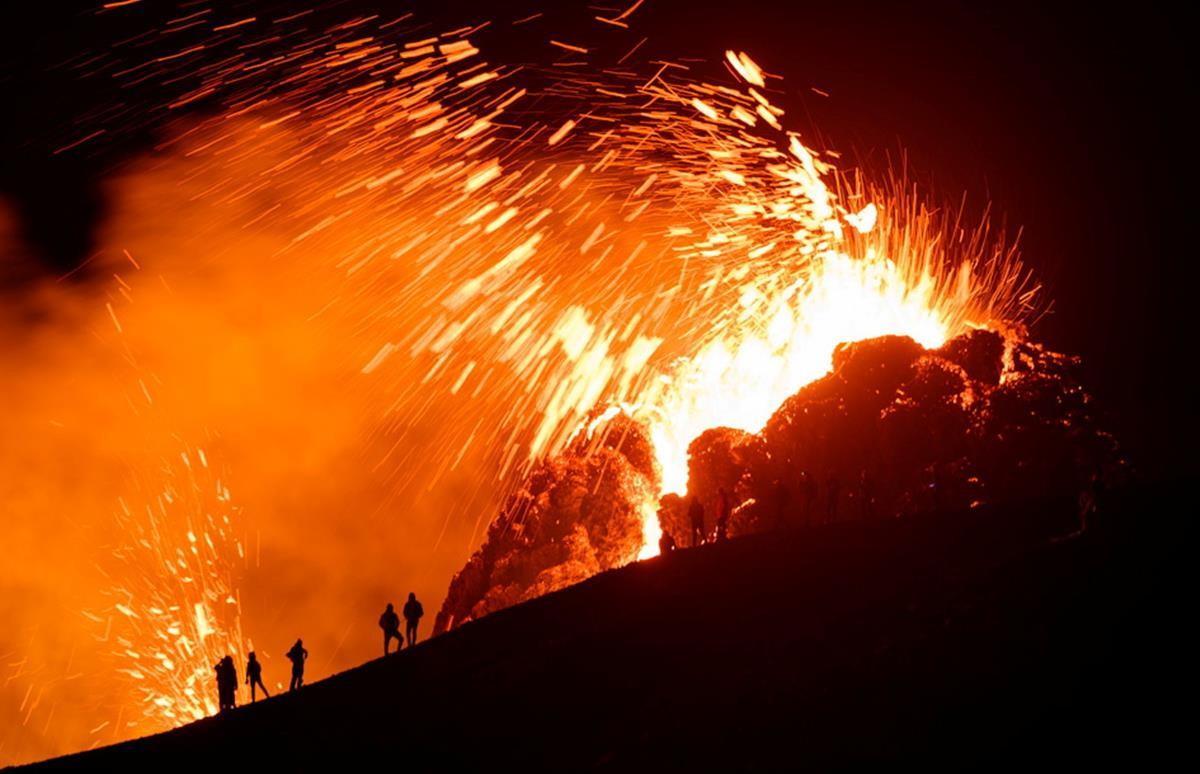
column 254, row 677
column 412, row 616
column 724, row 510
column 226, row 683
column 696, row 517
column 219, row 674
column 390, row 623
column 1089, row 500
column 833, row 490
column 666, row 543
column 297, row 655
column 808, row 497
column 231, row 682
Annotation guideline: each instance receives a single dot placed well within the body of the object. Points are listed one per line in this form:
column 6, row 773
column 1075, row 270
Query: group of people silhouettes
column 227, row 680
column 390, row 623
column 699, row 533
column 805, row 508
column 226, row 670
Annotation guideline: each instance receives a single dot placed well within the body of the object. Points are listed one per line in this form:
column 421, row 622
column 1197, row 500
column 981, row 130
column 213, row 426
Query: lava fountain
column 560, row 276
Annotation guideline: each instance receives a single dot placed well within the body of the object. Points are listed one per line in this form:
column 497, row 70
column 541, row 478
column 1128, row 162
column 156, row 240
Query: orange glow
column 386, row 292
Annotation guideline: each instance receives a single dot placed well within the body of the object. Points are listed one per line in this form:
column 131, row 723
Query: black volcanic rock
column 977, row 640
column 979, row 352
column 896, row 429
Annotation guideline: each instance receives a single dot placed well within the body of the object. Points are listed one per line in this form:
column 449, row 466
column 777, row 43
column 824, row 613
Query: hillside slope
column 961, row 641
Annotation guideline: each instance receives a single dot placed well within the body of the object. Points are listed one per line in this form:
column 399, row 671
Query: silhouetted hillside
column 964, row 641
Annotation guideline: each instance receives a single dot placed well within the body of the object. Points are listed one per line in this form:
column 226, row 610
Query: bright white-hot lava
column 740, row 380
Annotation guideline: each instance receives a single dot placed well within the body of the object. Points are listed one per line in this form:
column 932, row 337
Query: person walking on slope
column 412, row 616
column 390, row 623
column 254, row 677
column 297, row 655
column 696, row 517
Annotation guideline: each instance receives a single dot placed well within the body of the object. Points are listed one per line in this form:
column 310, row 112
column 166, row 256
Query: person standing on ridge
column 226, row 683
column 390, row 623
column 724, row 510
column 696, row 517
column 254, row 677
column 297, row 655
column 219, row 672
column 412, row 616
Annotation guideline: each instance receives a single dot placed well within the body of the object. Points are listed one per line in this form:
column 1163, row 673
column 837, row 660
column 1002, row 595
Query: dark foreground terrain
column 962, row 641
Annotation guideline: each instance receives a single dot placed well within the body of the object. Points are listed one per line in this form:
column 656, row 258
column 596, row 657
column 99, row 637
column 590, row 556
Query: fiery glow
column 511, row 249
column 176, row 611
column 739, row 381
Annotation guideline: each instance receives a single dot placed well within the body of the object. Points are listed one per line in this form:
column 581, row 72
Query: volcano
column 967, row 639
column 893, row 430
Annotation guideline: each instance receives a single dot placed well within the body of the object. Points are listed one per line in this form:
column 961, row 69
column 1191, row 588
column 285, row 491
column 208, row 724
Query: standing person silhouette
column 724, row 510
column 222, row 690
column 254, row 677
column 808, row 497
column 696, row 517
column 390, row 623
column 412, row 616
column 297, row 655
column 226, row 683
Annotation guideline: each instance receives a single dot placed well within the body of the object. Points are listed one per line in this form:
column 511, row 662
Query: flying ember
column 537, row 289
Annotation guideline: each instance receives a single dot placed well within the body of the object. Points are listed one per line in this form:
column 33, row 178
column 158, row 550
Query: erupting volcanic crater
column 892, row 430
column 381, row 277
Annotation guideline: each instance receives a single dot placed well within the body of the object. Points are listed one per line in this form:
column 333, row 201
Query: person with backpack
column 226, row 683
column 696, row 517
column 390, row 623
column 412, row 616
column 297, row 655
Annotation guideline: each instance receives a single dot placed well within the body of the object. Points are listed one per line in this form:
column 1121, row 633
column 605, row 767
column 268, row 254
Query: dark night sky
column 1071, row 121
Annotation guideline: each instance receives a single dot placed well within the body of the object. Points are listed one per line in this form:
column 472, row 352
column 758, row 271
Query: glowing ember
column 176, row 606
column 514, row 248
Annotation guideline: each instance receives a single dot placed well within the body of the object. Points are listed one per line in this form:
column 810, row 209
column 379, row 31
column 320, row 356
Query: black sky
column 1072, row 121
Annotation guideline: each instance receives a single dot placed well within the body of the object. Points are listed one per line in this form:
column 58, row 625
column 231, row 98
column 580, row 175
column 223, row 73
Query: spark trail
column 515, row 245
